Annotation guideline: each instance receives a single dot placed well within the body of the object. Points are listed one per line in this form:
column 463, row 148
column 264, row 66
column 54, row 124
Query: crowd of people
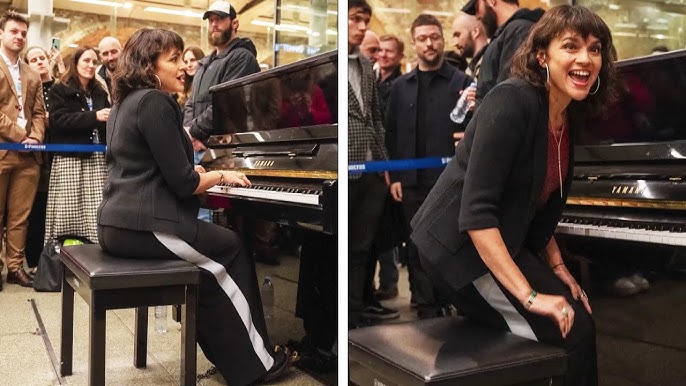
column 481, row 227
column 141, row 195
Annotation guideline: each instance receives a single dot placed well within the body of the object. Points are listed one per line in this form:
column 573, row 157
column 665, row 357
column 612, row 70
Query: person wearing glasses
column 418, row 125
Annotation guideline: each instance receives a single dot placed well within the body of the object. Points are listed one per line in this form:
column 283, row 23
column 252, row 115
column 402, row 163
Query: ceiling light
column 114, row 4
column 438, row 13
column 175, row 12
column 303, row 9
column 392, row 10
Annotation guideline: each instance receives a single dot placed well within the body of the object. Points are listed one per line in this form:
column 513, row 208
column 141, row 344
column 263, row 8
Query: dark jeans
column 366, row 197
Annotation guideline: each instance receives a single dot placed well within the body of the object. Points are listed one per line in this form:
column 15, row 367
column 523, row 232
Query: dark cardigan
column 494, row 181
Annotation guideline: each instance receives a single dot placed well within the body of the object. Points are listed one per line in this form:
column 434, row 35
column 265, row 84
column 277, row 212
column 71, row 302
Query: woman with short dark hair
column 150, row 206
column 485, row 231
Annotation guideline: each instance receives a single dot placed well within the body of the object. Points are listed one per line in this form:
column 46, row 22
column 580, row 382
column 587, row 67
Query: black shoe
column 282, row 363
column 379, row 312
column 386, row 293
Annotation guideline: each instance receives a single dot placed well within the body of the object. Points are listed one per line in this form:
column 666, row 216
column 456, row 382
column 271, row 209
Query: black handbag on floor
column 49, row 271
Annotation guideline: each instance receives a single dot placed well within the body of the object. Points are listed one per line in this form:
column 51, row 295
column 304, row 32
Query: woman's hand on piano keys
column 232, row 177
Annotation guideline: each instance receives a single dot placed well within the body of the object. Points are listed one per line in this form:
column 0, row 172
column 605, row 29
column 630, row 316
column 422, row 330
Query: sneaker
column 386, row 293
column 639, row 281
column 379, row 312
column 623, row 287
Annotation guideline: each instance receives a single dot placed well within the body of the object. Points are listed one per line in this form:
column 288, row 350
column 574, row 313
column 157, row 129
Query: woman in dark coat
column 485, row 232
column 150, row 207
column 78, row 111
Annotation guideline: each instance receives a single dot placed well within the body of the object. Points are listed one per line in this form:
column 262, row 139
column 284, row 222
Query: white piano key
column 300, row 198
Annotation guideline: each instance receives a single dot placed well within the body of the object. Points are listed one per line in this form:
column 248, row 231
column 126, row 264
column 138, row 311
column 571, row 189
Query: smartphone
column 55, row 43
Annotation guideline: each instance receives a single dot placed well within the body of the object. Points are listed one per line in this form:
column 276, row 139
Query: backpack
column 49, row 271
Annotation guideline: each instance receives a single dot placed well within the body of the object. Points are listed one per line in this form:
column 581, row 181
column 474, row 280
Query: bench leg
column 96, row 349
column 176, row 313
column 140, row 344
column 67, row 329
column 188, row 340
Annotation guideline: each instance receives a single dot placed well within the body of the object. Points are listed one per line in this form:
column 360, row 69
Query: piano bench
column 106, row 282
column 450, row 351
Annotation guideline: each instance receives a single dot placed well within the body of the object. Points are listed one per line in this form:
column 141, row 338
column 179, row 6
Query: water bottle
column 160, row 319
column 462, row 106
column 267, row 295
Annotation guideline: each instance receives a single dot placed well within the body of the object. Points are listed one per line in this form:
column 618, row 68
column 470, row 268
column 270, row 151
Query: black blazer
column 151, row 179
column 494, row 181
column 401, row 119
column 70, row 119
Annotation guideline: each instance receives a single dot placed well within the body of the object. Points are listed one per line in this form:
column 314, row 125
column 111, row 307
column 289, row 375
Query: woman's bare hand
column 556, row 308
column 574, row 287
column 102, row 114
column 232, row 177
column 199, row 169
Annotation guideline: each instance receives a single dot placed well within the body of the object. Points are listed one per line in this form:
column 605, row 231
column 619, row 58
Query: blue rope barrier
column 401, row 164
column 54, row 147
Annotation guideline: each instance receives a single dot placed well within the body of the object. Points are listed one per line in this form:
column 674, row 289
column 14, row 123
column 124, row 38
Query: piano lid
column 648, row 121
column 299, row 94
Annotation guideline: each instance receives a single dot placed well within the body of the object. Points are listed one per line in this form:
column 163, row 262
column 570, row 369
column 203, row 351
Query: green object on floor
column 68, row 242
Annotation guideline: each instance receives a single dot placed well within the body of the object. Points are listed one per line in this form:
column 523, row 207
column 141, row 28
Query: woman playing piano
column 150, row 208
column 485, row 232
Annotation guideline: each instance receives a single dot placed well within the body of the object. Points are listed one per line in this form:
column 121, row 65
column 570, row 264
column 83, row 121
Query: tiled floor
column 25, row 361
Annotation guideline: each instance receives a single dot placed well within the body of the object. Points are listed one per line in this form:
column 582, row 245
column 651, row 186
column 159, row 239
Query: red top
column 553, row 170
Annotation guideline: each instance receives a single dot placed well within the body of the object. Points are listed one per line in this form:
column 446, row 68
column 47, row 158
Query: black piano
column 279, row 127
column 630, row 167
column 626, row 214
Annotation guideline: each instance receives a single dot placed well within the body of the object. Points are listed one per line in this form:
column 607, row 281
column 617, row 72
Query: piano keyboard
column 271, row 192
column 675, row 236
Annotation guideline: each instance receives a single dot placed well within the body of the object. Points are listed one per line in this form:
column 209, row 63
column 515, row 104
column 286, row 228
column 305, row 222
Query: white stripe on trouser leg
column 490, row 291
column 188, row 253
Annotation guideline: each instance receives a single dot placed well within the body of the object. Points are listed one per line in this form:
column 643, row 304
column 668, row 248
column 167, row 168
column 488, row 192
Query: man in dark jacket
column 232, row 58
column 418, row 125
column 507, row 25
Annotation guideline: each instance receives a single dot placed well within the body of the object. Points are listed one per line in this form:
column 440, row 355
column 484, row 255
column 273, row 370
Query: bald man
column 109, row 48
column 370, row 46
column 469, row 40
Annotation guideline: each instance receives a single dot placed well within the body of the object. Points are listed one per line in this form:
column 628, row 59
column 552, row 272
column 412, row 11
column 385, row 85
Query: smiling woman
column 485, row 231
column 78, row 110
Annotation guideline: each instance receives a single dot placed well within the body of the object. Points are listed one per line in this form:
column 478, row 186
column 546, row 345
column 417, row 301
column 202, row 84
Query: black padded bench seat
column 106, row 282
column 449, row 351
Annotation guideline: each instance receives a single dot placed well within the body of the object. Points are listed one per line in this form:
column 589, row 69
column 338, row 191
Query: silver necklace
column 559, row 161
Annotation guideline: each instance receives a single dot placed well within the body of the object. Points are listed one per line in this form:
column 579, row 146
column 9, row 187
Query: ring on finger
column 565, row 312
column 583, row 293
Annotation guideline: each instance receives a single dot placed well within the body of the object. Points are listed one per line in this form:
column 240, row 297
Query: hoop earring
column 547, row 73
column 159, row 82
column 596, row 87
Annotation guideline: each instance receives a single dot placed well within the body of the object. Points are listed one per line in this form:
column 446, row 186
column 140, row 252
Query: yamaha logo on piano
column 263, row 163
column 628, row 189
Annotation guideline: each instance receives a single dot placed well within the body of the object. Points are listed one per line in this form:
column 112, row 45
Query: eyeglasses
column 424, row 38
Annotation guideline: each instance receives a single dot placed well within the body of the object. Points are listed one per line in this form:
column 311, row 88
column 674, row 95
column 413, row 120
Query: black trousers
column 422, row 287
column 231, row 328
column 35, row 233
column 366, row 198
column 487, row 301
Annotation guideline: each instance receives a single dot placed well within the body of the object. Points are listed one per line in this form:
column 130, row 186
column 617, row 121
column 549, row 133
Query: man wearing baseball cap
column 507, row 26
column 232, row 58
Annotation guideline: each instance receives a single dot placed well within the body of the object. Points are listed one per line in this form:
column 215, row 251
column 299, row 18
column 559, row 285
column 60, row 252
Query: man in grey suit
column 366, row 191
